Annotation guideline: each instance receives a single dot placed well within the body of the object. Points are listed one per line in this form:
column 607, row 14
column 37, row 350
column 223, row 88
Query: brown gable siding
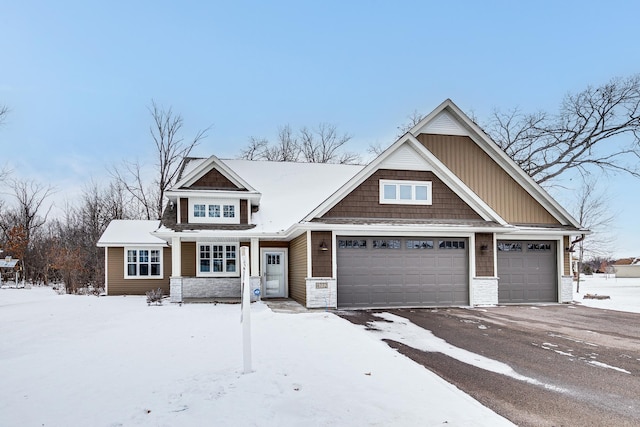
column 364, row 201
column 298, row 269
column 188, row 262
column 214, row 180
column 321, row 260
column 484, row 258
column 487, row 179
column 118, row 285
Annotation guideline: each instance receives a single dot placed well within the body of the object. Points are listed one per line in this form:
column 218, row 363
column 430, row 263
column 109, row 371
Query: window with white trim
column 405, row 192
column 143, row 263
column 217, row 259
column 214, row 211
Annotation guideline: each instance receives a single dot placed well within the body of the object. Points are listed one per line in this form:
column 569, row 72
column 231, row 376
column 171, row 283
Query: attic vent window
column 405, row 192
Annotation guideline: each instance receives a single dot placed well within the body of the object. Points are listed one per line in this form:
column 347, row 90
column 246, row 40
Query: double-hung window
column 143, row 263
column 405, row 192
column 217, row 259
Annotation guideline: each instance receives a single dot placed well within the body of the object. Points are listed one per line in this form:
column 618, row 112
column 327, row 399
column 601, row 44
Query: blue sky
column 78, row 76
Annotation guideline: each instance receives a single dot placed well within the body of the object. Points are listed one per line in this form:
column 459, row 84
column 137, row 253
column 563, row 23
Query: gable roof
column 194, row 169
column 408, row 152
column 448, row 119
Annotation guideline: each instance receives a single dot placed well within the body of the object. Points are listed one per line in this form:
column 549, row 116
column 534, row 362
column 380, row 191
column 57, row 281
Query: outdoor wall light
column 484, row 247
column 323, row 246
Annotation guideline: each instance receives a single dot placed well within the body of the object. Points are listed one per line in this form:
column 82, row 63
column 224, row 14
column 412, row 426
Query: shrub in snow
column 154, row 297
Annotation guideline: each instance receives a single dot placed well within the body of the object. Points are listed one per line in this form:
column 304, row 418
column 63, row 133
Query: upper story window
column 214, row 211
column 405, row 192
column 143, row 263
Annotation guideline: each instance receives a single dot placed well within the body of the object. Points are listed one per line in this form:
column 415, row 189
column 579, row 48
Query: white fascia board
column 212, row 235
column 131, row 243
column 401, row 230
column 207, row 165
column 500, row 157
column 253, row 195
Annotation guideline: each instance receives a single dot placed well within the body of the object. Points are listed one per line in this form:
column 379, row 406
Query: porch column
column 255, row 257
column 176, row 257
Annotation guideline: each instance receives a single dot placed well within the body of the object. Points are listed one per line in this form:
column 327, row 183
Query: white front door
column 274, row 272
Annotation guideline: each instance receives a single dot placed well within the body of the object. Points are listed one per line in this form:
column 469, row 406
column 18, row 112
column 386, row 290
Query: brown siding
column 214, row 180
column 566, row 256
column 298, row 269
column 244, row 215
column 184, row 211
column 364, row 201
column 487, row 179
column 188, row 259
column 118, row 285
column 273, row 244
column 321, row 260
column 484, row 258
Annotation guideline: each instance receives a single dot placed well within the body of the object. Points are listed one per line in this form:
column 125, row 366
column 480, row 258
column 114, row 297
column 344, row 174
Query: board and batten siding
column 484, row 257
column 188, row 261
column 118, row 285
column 298, row 269
column 487, row 179
column 321, row 261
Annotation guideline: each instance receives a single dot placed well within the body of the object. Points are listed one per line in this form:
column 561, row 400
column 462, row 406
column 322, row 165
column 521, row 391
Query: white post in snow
column 245, row 317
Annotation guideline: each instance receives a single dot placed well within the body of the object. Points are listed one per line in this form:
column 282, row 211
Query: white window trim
column 218, row 273
column 214, row 220
column 413, row 184
column 138, row 249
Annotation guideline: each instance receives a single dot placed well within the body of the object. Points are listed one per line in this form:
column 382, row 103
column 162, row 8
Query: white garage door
column 409, row 272
column 527, row 271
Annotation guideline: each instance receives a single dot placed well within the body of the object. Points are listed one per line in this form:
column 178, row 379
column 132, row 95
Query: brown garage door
column 409, row 272
column 527, row 271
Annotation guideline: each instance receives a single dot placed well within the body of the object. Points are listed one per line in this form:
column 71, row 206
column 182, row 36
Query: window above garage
column 405, row 192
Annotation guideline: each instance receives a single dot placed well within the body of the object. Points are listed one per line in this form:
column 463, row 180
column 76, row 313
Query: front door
column 274, row 273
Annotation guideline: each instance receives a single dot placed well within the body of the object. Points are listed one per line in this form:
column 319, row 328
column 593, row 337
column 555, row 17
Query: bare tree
column 596, row 128
column 412, row 120
column 323, row 144
column 592, row 212
column 171, row 148
column 27, row 214
column 255, row 150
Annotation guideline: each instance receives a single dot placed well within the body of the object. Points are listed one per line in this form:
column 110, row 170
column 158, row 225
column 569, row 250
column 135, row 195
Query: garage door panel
column 527, row 271
column 402, row 276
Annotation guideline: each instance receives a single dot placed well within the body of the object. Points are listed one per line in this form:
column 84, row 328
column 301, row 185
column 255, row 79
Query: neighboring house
column 443, row 217
column 627, row 267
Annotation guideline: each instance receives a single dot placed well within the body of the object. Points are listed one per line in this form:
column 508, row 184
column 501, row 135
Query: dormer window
column 405, row 192
column 214, row 211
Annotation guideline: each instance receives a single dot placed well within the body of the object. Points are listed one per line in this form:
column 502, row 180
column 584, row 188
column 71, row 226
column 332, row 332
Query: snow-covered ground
column 113, row 361
column 623, row 293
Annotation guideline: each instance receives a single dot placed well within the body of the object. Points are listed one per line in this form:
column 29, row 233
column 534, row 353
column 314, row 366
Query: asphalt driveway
column 585, row 361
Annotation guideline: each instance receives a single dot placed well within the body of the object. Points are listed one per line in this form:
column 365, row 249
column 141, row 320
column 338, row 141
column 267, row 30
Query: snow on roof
column 290, row 190
column 130, row 232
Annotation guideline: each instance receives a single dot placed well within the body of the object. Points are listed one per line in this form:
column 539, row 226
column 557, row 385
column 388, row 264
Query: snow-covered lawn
column 624, row 293
column 114, row 361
